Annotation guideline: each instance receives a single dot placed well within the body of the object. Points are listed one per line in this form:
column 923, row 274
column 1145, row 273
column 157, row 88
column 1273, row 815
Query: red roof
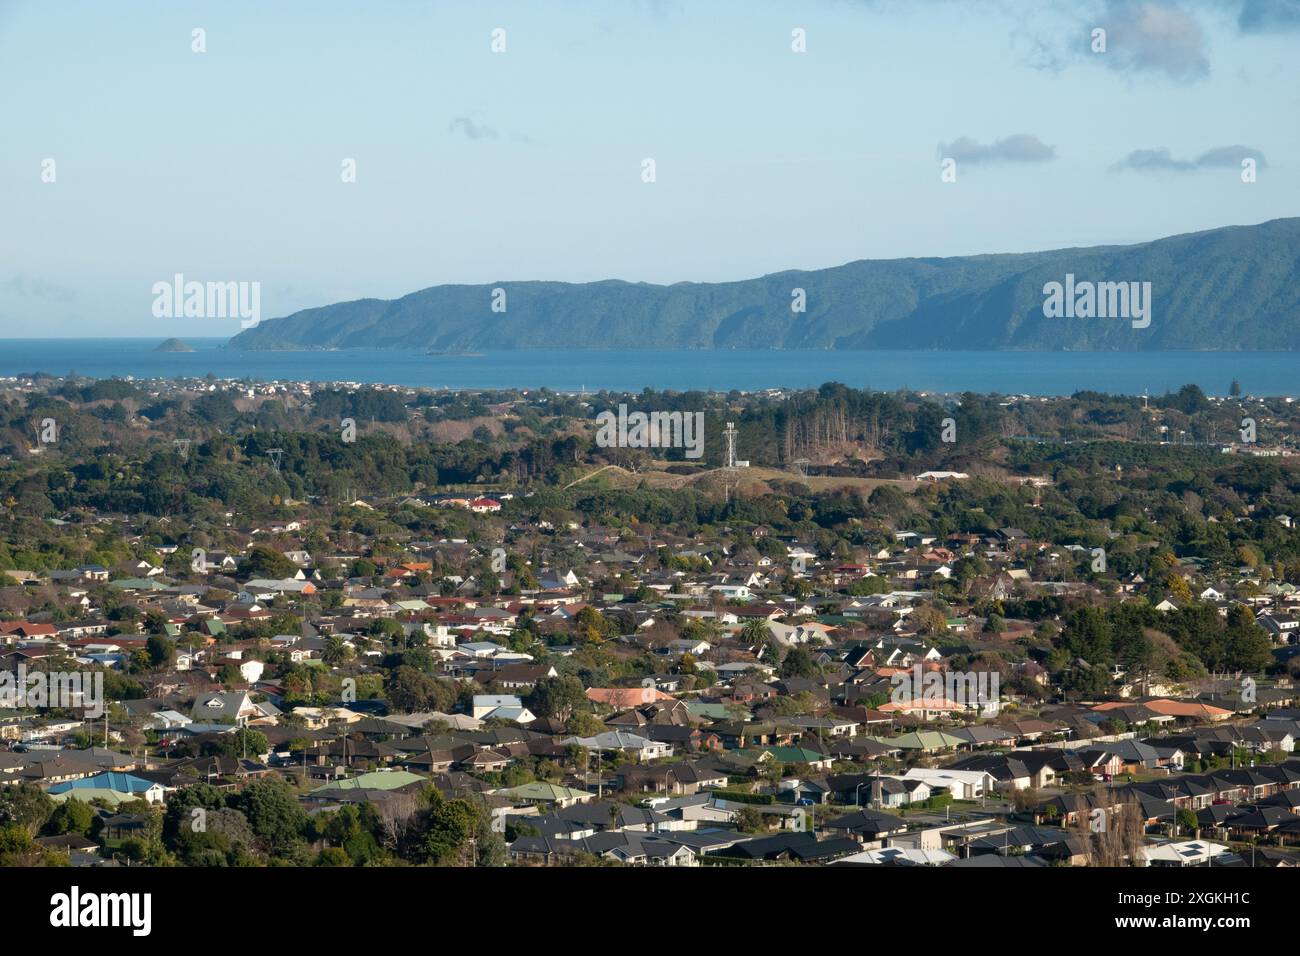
column 118, row 639
column 449, row 601
column 26, row 629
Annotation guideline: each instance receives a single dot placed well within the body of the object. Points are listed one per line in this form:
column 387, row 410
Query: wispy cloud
column 1152, row 37
column 1230, row 156
column 1161, row 160
column 1020, row 148
column 1146, row 35
column 471, row 129
column 1154, row 160
column 1268, row 16
column 35, row 287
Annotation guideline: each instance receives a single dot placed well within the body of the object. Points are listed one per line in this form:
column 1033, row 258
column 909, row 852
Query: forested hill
column 1236, row 287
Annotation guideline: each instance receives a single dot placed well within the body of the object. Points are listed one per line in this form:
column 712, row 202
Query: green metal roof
column 375, row 780
column 543, row 791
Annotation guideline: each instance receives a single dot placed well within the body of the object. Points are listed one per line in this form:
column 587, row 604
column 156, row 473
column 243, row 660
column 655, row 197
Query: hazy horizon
column 203, row 334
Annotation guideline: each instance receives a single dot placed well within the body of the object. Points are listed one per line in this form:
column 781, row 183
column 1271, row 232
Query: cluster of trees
column 262, row 824
column 204, row 826
column 1151, row 644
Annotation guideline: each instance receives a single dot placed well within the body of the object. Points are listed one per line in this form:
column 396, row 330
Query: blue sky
column 474, row 166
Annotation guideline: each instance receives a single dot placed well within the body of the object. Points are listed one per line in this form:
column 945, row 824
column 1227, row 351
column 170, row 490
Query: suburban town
column 250, row 623
column 461, row 461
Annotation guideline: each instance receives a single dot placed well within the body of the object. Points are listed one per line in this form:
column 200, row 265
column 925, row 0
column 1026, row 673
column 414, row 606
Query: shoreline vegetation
column 182, row 382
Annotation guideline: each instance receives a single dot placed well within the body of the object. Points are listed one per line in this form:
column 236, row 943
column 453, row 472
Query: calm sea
column 1033, row 373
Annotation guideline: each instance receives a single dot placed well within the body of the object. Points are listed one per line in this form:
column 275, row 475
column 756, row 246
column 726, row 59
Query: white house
column 1190, row 853
column 962, row 784
column 484, row 704
column 733, row 592
column 620, row 740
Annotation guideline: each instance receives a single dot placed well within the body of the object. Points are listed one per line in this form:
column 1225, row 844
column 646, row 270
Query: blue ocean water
column 1031, row 373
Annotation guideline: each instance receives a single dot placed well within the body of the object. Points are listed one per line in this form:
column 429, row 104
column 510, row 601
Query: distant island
column 174, row 345
column 1232, row 288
